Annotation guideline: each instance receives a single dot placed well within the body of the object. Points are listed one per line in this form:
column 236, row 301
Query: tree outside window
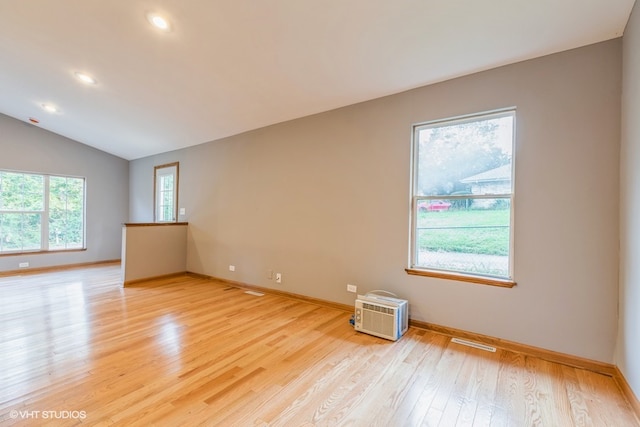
column 40, row 212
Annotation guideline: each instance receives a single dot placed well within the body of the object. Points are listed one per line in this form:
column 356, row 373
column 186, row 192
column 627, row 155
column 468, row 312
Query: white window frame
column 45, row 215
column 414, row 268
column 160, row 172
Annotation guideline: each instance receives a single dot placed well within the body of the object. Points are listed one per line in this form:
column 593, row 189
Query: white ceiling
column 228, row 66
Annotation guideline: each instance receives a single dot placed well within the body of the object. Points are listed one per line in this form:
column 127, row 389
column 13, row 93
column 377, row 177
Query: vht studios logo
column 51, row 415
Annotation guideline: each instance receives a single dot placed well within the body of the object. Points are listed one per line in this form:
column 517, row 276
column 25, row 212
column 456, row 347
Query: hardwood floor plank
column 459, row 396
column 297, row 380
column 432, row 402
column 559, row 395
column 510, row 403
column 579, row 408
column 540, row 406
column 606, row 404
column 431, row 352
column 480, row 390
column 187, row 350
column 380, row 394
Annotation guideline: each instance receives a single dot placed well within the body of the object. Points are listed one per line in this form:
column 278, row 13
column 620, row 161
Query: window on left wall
column 40, row 213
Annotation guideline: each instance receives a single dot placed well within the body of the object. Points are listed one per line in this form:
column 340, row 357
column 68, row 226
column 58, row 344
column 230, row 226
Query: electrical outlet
column 278, row 277
column 23, row 265
column 232, row 268
column 352, row 288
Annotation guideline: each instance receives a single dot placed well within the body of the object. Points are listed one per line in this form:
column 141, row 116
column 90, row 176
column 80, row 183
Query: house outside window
column 462, row 197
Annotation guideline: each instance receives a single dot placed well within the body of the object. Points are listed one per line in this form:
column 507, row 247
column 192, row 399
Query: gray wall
column 628, row 349
column 24, row 147
column 325, row 201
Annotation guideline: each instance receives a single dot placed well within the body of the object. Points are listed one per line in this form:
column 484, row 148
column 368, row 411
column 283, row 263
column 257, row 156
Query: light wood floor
column 188, row 351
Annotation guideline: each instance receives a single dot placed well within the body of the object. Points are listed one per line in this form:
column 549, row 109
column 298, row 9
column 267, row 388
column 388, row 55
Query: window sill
column 480, row 280
column 152, row 224
column 7, row 254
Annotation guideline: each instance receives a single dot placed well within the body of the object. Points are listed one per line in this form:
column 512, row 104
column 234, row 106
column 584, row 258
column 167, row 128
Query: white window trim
column 413, row 268
column 44, row 219
column 163, row 170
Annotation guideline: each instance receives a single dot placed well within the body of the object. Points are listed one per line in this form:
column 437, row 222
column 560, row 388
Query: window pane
column 167, row 198
column 20, row 231
column 66, row 213
column 464, row 235
column 10, row 194
column 166, row 182
column 10, row 226
column 33, row 193
column 21, row 192
column 32, row 232
column 166, row 213
column 465, row 157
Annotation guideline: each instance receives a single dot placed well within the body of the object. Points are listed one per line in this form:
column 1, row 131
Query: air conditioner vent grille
column 379, row 308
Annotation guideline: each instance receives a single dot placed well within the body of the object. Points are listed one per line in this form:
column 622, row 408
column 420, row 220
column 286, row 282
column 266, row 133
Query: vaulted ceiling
column 228, row 66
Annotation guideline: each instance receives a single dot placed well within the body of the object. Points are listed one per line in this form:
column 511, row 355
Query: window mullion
column 45, row 216
column 465, row 196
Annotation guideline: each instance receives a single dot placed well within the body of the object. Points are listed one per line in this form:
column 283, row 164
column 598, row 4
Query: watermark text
column 50, row 415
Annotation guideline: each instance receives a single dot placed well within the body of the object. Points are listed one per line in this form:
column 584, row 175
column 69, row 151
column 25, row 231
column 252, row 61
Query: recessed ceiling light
column 85, row 78
column 159, row 21
column 50, row 108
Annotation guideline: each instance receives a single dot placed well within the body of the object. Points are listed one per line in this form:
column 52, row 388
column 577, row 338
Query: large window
column 462, row 188
column 40, row 212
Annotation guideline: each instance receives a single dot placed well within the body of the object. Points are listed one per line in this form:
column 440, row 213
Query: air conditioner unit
column 382, row 316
